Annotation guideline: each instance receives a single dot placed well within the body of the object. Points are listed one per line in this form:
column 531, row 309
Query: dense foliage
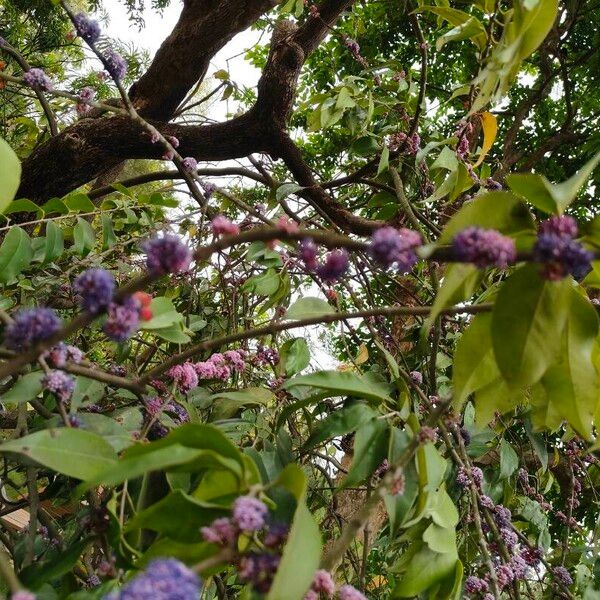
column 345, row 344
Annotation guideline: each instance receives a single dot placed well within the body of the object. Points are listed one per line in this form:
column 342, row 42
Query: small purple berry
column 167, row 254
column 96, row 288
column 390, row 245
column 30, row 326
column 189, row 164
column 484, row 247
column 562, row 576
column 249, row 513
column 335, row 265
column 87, row 28
column 123, row 319
column 59, row 383
column 115, row 64
column 37, row 78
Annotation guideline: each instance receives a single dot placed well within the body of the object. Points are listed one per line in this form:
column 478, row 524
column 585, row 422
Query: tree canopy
column 341, row 343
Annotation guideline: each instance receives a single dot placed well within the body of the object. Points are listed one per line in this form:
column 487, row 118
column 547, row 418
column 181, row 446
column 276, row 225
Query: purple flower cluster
column 249, row 513
column 36, row 78
column 308, row 253
column 322, row 584
column 390, row 245
column 123, row 318
column 95, row 288
column 463, row 479
column 476, row 585
column 163, row 579
column 427, row 435
column 87, row 28
column 410, row 144
column 115, row 64
column 61, row 353
column 59, row 383
column 86, row 95
column 30, row 326
column 259, row 568
column 266, row 356
column 416, row 377
column 484, row 247
column 348, row 592
column 559, row 252
column 167, row 254
column 184, row 376
column 189, row 164
column 221, row 225
column 221, row 532
column 334, row 266
column 218, row 366
column 562, row 576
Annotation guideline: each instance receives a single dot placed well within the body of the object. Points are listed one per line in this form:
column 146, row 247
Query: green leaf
column 472, row 29
column 174, row 333
column 509, row 461
column 164, row 314
column 79, row 203
column 178, row 515
column 55, row 242
column 190, row 554
column 294, row 356
column 294, row 576
column 370, row 448
column 231, row 402
column 308, row 307
column 73, row 452
column 339, row 422
column 440, row 539
column 59, row 564
column 84, row 237
column 109, row 239
column 25, row 389
column 285, row 189
column 384, row 161
column 343, row 383
column 528, row 319
column 459, row 283
column 22, row 205
column 10, row 174
column 16, row 253
column 572, row 384
column 474, row 361
column 502, row 211
column 551, row 198
column 424, row 570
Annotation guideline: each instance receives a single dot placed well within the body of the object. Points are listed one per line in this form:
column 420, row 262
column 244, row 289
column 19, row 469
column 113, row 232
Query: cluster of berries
column 218, row 366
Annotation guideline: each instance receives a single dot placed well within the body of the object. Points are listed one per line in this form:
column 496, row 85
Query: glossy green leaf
column 307, row 307
column 10, row 174
column 509, row 461
column 551, row 198
column 474, row 361
column 25, row 389
column 528, row 319
column 502, row 211
column 73, row 452
column 16, row 253
column 109, row 239
column 340, row 422
column 370, row 448
column 164, row 314
column 294, row 576
column 294, row 356
column 84, row 237
column 79, row 203
column 54, row 243
column 342, row 383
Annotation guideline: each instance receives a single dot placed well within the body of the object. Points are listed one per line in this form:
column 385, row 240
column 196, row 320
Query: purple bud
column 484, row 247
column 30, row 326
column 221, row 532
column 167, row 254
column 561, row 256
column 475, row 585
column 221, row 225
column 96, row 288
column 504, row 575
column 36, row 78
column 563, row 226
column 259, row 570
column 323, row 583
column 416, row 377
column 184, row 376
